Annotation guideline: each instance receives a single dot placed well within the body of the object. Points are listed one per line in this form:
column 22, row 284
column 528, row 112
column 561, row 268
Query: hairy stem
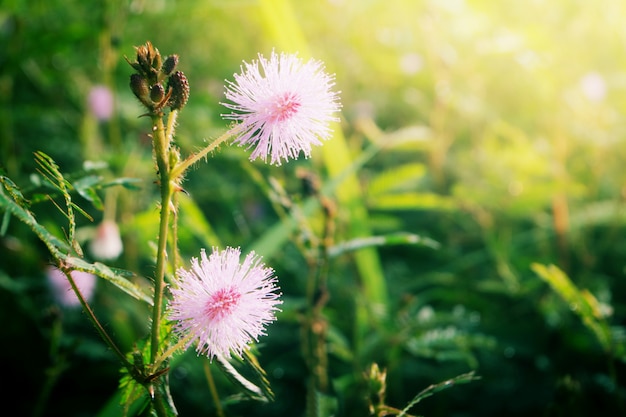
column 161, row 146
column 180, row 169
column 92, row 316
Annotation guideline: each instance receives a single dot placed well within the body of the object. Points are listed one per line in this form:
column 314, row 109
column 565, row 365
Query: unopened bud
column 156, row 60
column 107, row 242
column 180, row 90
column 169, row 65
column 139, row 87
column 376, row 379
column 143, row 58
column 157, row 92
column 148, row 60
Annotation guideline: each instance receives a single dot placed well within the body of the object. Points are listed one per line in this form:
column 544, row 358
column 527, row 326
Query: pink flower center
column 284, row 107
column 221, row 303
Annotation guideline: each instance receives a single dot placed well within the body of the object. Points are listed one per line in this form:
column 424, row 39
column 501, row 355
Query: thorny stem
column 168, row 178
column 180, row 169
column 169, row 352
column 171, row 125
column 167, row 182
column 174, row 260
column 170, row 172
column 161, row 146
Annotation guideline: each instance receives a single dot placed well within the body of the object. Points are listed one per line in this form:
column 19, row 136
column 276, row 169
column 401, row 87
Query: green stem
column 169, row 352
column 315, row 333
column 171, row 125
column 92, row 316
column 174, row 236
column 213, row 389
column 161, row 146
column 180, row 169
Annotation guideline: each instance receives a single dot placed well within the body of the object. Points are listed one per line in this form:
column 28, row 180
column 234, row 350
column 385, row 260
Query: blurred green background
column 492, row 130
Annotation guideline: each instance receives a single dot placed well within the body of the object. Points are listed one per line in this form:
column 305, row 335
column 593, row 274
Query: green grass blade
column 400, row 238
column 583, row 303
column 435, row 388
column 281, row 25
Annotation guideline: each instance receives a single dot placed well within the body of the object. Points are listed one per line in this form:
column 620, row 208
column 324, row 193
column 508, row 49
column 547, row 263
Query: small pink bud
column 107, row 244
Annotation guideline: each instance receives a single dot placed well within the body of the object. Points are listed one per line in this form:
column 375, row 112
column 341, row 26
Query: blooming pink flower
column 284, row 106
column 62, row 290
column 107, row 244
column 223, row 304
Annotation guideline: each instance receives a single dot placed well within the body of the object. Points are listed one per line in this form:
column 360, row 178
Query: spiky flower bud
column 148, row 83
column 169, row 65
column 148, row 61
column 142, row 58
column 180, row 90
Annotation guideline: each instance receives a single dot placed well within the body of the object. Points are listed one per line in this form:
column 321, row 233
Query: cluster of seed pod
column 152, row 72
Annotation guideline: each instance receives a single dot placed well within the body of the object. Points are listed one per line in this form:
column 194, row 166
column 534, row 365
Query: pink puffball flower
column 101, row 102
column 222, row 304
column 107, row 244
column 62, row 290
column 284, row 106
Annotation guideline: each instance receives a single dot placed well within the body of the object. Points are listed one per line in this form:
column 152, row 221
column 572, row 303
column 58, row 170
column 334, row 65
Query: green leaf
column 85, row 188
column 193, row 219
column 259, row 372
column 6, row 218
column 64, row 253
column 55, row 245
column 449, row 344
column 14, row 191
column 50, row 170
column 260, row 390
column 400, row 238
column 411, row 200
column 402, row 177
column 118, row 277
column 128, row 183
column 433, row 389
column 324, row 405
column 581, row 302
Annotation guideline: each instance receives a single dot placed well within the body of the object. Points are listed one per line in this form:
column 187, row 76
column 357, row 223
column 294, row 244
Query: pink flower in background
column 223, row 304
column 284, row 105
column 107, row 244
column 101, row 102
column 593, row 86
column 62, row 290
